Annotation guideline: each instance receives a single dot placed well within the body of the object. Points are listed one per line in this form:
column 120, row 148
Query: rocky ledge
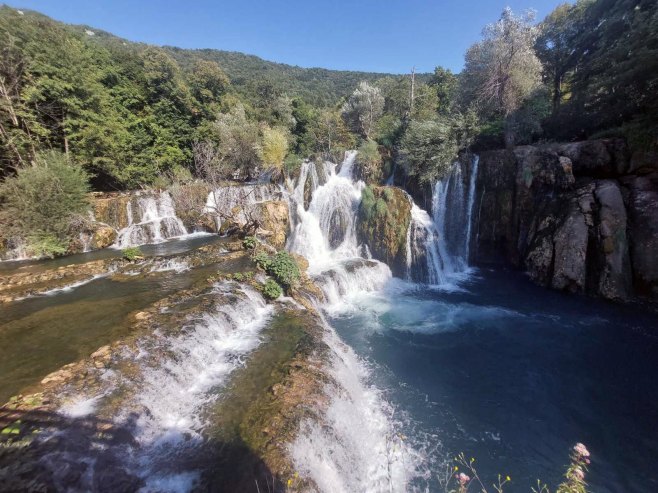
column 580, row 217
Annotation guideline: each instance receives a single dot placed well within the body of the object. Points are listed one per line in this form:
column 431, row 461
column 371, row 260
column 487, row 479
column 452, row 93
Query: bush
column 271, row 289
column 40, row 201
column 131, row 254
column 249, row 243
column 284, row 269
column 369, row 162
column 45, row 245
column 281, row 266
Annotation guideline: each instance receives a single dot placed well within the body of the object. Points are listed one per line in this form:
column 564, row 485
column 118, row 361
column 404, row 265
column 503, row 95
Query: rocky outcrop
column 274, row 222
column 571, row 216
column 382, row 224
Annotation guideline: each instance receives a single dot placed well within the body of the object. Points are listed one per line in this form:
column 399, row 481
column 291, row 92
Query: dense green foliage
column 271, row 289
column 132, row 115
column 131, row 253
column 40, row 203
column 281, row 266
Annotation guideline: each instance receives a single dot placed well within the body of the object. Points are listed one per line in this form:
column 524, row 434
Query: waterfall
column 225, row 199
column 439, row 246
column 157, row 221
column 326, row 232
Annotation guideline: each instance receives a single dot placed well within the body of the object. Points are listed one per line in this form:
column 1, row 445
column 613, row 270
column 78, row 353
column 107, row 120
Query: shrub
column 281, row 266
column 284, row 269
column 131, row 253
column 238, row 276
column 41, row 200
column 45, row 245
column 249, row 243
column 274, row 148
column 369, row 162
column 271, row 289
column 262, row 260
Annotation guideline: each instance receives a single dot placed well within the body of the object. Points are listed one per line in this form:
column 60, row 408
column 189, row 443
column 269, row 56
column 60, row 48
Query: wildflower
column 456, row 468
column 507, row 478
column 289, row 482
column 462, row 478
column 581, row 450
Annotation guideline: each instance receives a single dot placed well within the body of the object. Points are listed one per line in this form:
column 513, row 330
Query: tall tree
column 502, row 70
column 363, row 108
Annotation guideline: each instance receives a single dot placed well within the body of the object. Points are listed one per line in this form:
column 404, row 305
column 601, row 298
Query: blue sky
column 370, row 35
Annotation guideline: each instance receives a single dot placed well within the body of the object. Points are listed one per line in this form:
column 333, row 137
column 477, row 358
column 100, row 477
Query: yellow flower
column 507, row 478
column 296, row 474
column 456, row 468
column 289, row 482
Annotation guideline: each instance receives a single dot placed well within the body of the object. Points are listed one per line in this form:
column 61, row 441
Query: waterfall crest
column 156, row 221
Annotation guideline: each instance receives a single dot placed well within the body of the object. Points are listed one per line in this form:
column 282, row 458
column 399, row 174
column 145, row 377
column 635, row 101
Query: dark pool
column 513, row 375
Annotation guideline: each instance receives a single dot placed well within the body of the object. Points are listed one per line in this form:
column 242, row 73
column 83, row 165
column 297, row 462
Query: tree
column 330, row 135
column 428, row 148
column 363, row 108
column 502, row 70
column 445, row 84
column 40, row 202
column 208, row 83
column 274, row 148
column 554, row 46
column 238, row 143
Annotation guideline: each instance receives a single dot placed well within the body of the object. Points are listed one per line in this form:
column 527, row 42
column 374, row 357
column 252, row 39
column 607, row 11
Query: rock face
column 274, row 222
column 382, row 224
column 571, row 216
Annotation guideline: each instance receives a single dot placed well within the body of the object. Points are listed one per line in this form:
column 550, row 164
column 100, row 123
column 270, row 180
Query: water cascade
column 225, row 199
column 438, row 246
column 156, row 221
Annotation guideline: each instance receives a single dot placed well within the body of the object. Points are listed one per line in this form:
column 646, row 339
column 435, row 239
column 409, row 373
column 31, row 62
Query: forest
column 95, row 112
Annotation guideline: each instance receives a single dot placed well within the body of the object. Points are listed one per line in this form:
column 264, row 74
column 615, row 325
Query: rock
column 644, row 162
column 103, row 237
column 382, row 224
column 274, row 221
column 112, row 209
column 142, row 316
column 607, row 158
column 570, row 244
column 494, row 206
column 102, row 353
column 643, row 228
column 615, row 278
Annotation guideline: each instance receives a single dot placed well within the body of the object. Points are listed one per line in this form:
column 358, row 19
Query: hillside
column 317, row 86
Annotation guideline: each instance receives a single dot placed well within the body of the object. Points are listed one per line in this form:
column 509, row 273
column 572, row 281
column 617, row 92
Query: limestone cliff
column 581, row 217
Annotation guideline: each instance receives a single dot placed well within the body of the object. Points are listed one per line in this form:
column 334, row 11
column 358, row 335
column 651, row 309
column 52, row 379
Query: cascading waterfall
column 157, row 221
column 439, row 246
column 225, row 199
column 355, row 448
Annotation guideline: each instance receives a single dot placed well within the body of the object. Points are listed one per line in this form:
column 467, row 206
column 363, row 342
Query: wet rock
column 103, row 237
column 112, row 209
column 274, row 222
column 382, row 223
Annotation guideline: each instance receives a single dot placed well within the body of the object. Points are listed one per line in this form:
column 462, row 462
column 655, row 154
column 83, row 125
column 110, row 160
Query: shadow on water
column 46, row 451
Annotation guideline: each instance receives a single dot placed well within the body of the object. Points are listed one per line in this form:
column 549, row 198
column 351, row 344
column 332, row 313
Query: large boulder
column 496, row 235
column 382, row 224
column 103, row 236
column 606, row 158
